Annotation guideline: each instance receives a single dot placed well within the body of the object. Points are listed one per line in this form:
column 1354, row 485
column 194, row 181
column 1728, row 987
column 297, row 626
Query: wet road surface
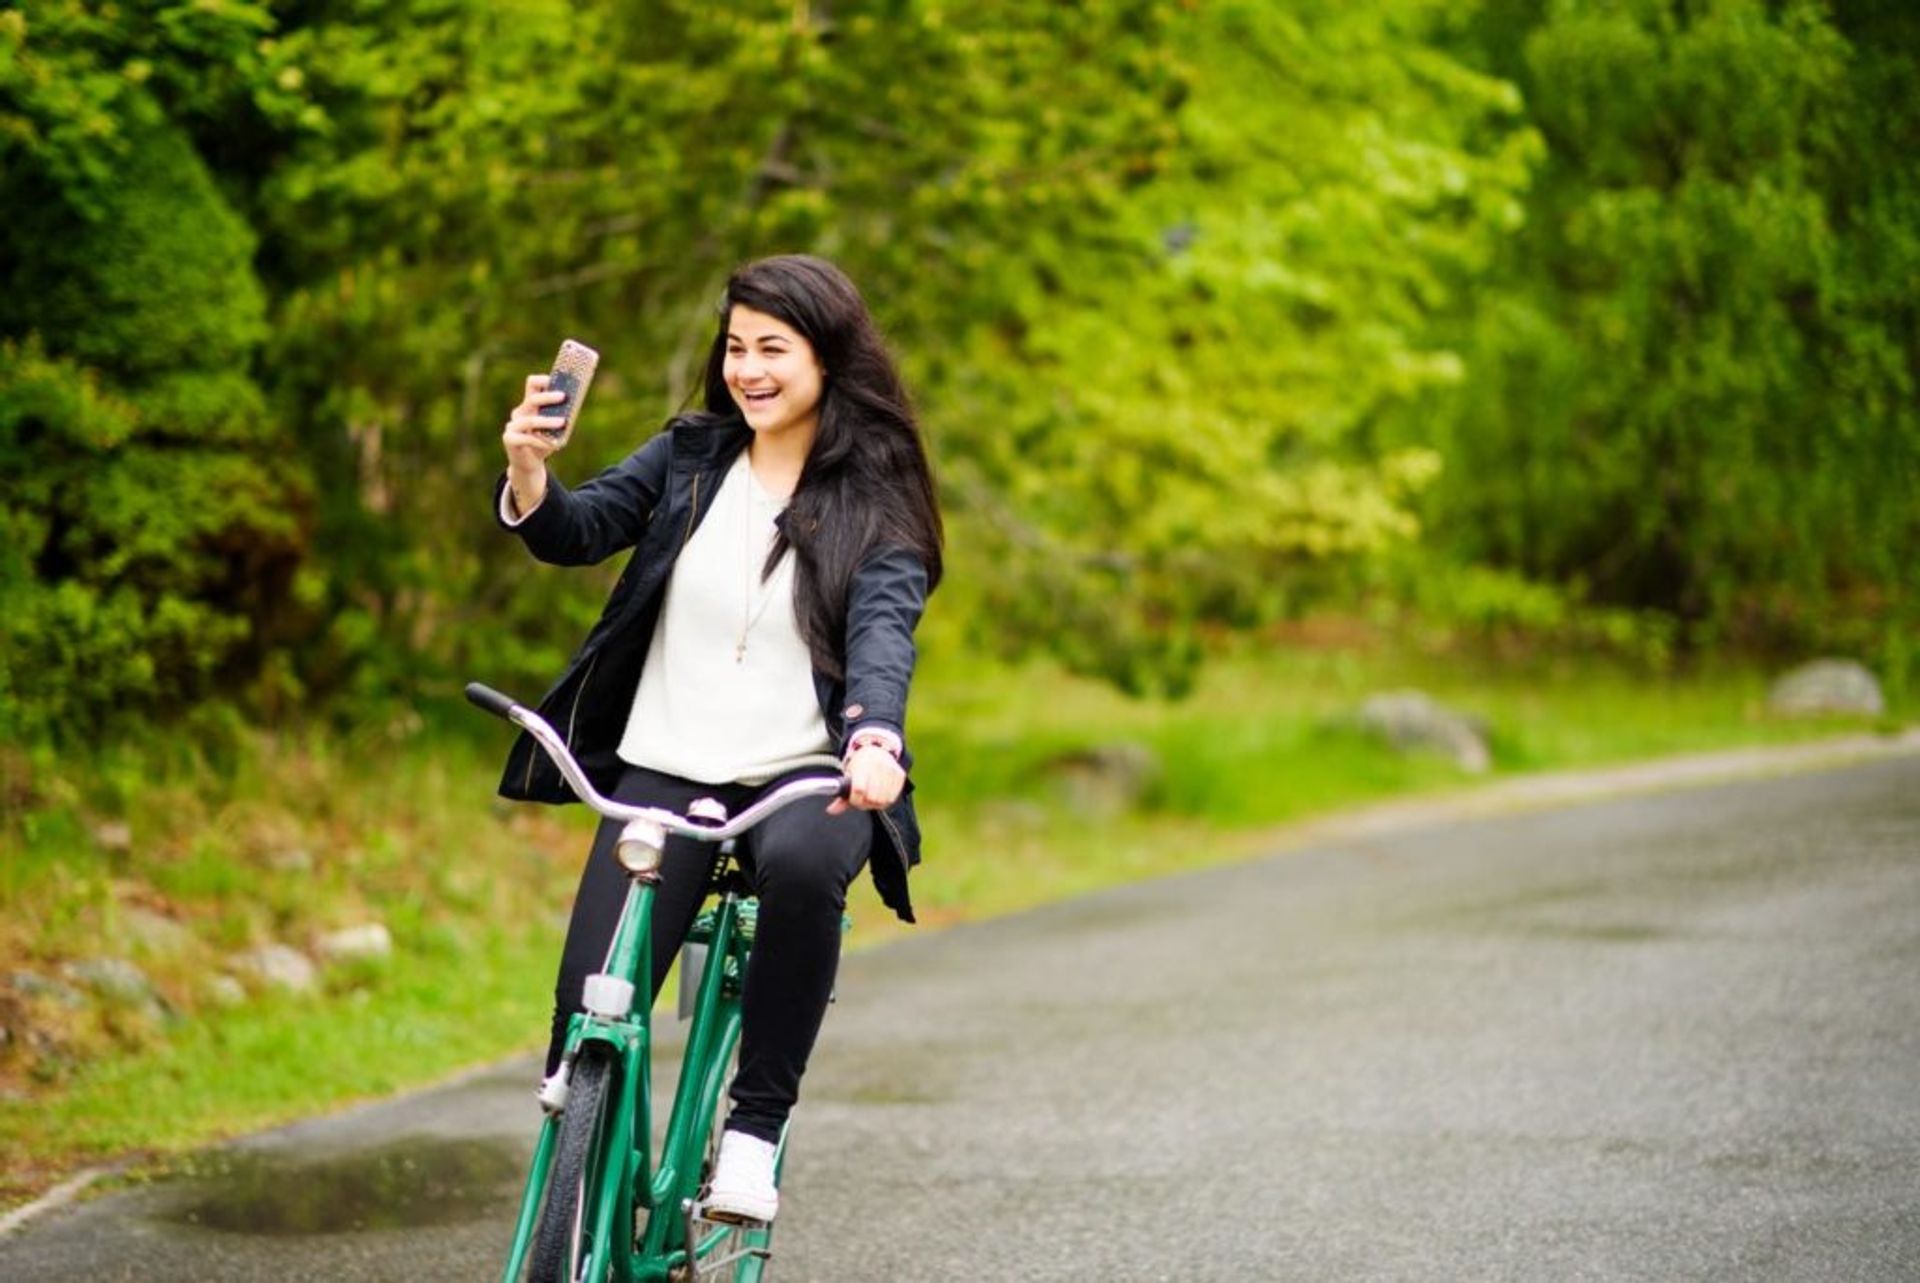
column 1672, row 1037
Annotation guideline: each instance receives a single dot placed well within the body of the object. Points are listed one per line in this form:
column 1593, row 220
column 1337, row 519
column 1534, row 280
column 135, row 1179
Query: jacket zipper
column 899, row 843
column 574, row 712
column 573, row 715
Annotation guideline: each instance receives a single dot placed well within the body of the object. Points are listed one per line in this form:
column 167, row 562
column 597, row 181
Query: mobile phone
column 573, row 368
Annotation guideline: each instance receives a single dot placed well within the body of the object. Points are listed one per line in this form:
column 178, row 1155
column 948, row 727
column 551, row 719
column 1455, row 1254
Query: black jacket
column 650, row 502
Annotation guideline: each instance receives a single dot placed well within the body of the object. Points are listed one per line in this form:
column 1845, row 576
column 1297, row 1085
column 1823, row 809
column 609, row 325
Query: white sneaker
column 742, row 1186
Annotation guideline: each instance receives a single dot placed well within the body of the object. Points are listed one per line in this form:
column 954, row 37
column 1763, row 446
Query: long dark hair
column 866, row 482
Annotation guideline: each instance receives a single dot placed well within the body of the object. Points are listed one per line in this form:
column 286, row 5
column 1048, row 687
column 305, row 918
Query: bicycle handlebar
column 486, row 697
column 492, row 701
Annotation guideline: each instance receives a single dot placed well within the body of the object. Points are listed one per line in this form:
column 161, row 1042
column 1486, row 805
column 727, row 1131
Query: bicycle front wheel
column 582, row 1164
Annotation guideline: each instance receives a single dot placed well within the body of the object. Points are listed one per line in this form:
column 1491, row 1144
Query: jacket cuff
column 508, row 517
column 541, row 524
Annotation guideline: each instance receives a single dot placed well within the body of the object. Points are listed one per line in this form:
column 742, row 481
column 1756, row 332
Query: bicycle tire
column 560, row 1242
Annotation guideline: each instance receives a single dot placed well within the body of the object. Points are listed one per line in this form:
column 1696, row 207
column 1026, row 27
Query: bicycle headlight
column 639, row 847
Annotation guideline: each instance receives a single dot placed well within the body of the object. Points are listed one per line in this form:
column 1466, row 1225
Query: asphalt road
column 1667, row 1037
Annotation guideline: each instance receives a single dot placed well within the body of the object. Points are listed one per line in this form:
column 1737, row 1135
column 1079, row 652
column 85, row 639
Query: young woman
column 784, row 543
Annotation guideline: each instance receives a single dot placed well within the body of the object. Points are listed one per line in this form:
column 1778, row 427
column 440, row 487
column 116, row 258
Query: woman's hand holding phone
column 530, row 437
column 533, row 431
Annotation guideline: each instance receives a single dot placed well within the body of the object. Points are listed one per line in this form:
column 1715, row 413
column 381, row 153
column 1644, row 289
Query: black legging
column 800, row 862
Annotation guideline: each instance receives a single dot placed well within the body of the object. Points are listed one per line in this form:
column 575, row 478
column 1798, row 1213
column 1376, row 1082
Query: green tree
column 1693, row 389
column 1179, row 420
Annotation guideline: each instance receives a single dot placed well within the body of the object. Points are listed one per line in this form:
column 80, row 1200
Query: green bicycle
column 599, row 1203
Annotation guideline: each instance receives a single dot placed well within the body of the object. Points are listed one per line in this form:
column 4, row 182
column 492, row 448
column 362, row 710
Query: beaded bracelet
column 872, row 742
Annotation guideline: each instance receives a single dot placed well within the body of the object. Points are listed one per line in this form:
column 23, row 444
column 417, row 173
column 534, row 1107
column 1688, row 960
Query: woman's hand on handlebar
column 530, row 437
column 874, row 780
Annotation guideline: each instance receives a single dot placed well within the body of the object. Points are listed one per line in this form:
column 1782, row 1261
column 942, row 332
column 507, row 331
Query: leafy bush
column 153, row 522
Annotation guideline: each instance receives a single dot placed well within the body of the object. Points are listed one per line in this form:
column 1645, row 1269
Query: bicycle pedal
column 701, row 1212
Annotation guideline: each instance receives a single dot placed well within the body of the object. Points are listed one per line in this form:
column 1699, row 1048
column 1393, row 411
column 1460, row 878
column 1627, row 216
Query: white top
column 726, row 693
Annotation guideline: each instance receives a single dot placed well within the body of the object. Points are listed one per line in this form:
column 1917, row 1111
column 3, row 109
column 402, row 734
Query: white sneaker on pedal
column 742, row 1187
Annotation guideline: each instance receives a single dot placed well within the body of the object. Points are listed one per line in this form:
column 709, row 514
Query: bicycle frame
column 636, row 1179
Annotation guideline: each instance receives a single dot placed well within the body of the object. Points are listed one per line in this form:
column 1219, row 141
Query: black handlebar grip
column 846, row 788
column 486, row 697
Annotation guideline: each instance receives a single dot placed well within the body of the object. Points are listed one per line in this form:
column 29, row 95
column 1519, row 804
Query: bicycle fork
column 608, row 998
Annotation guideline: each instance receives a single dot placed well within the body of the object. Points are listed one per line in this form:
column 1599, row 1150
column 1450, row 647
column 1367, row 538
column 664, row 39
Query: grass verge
column 1035, row 787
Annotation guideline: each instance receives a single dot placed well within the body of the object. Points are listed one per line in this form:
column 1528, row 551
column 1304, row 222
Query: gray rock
column 30, row 985
column 292, row 860
column 154, row 933
column 371, row 940
column 1412, row 721
column 280, row 967
column 1827, row 688
column 113, row 835
column 112, row 978
column 1012, row 815
column 224, row 991
column 1105, row 779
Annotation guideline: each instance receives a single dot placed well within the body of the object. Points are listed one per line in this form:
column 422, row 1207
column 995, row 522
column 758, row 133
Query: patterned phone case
column 572, row 374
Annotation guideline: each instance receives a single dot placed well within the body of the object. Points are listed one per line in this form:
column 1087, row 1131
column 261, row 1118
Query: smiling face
column 772, row 373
